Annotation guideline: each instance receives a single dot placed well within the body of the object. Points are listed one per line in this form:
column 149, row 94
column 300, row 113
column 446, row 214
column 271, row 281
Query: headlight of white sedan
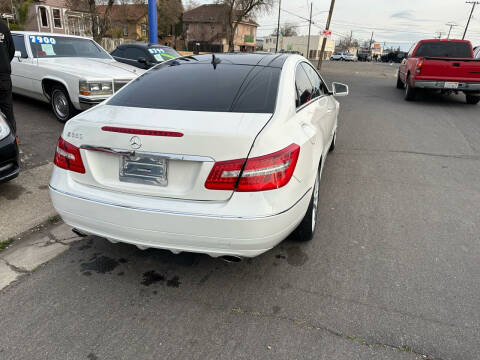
column 4, row 128
column 92, row 88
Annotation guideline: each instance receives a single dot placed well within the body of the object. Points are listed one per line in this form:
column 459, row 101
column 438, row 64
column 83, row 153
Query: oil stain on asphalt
column 11, row 191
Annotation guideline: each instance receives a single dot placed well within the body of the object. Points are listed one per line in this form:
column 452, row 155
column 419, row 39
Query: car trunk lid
column 174, row 166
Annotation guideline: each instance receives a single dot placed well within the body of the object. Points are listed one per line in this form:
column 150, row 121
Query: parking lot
column 392, row 272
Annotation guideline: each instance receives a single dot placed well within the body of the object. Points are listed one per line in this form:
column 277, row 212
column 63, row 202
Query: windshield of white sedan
column 57, row 46
column 183, row 84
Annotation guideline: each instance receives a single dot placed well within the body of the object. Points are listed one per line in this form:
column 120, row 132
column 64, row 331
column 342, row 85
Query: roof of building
column 124, row 12
column 210, row 13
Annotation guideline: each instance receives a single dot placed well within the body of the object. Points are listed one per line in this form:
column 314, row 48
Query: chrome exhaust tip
column 231, row 258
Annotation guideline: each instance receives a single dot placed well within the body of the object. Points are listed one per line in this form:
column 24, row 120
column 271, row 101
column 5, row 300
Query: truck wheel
column 306, row 229
column 473, row 99
column 400, row 84
column 410, row 92
column 61, row 105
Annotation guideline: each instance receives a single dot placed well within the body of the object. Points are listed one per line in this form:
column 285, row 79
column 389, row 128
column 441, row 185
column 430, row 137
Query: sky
column 397, row 23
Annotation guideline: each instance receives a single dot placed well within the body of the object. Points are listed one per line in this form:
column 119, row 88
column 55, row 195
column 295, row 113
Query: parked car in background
column 219, row 154
column 394, row 57
column 143, row 55
column 9, row 160
column 350, row 57
column 72, row 73
column 446, row 65
column 477, row 52
column 336, row 57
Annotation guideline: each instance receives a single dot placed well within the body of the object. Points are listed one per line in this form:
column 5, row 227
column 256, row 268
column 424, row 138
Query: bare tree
column 286, row 30
column 100, row 22
column 237, row 11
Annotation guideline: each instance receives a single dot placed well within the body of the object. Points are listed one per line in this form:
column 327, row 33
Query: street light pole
column 330, row 13
column 152, row 22
column 278, row 25
column 474, row 3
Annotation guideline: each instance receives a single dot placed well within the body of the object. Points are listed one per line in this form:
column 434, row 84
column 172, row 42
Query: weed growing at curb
column 5, row 244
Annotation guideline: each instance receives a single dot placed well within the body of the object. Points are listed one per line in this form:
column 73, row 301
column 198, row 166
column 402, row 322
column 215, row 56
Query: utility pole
column 309, row 28
column 278, row 26
column 474, row 3
column 450, row 30
column 330, row 13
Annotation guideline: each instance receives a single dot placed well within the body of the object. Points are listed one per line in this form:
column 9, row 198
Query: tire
column 333, row 143
column 410, row 92
column 400, row 84
column 306, row 229
column 61, row 105
column 473, row 99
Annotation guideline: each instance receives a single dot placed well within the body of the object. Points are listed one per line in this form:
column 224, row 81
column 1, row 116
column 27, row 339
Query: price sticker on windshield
column 156, row 51
column 42, row 40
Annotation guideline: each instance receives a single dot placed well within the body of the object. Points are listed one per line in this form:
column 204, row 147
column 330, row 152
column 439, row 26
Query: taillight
column 68, row 157
column 256, row 174
column 419, row 67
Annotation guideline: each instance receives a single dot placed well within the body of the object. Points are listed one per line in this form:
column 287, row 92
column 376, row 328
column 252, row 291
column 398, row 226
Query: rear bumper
column 160, row 227
column 440, row 85
column 9, row 159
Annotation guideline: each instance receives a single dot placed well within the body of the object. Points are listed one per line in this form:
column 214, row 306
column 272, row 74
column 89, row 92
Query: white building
column 299, row 44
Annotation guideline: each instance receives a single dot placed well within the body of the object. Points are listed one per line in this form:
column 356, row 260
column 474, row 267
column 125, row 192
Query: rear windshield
column 444, row 49
column 183, row 85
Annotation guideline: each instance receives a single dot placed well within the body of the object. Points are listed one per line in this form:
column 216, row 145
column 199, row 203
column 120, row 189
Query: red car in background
column 441, row 64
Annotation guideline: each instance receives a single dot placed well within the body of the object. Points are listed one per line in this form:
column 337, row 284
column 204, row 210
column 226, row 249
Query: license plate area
column 451, row 85
column 144, row 169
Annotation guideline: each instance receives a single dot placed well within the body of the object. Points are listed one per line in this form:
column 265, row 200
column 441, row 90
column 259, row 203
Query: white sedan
column 215, row 154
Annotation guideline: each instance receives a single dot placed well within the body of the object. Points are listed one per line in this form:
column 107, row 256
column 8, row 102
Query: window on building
column 144, row 29
column 125, row 30
column 57, row 18
column 43, row 16
column 212, row 27
column 236, row 30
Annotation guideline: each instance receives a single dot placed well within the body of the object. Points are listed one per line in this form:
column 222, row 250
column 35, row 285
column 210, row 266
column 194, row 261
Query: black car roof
column 142, row 45
column 252, row 59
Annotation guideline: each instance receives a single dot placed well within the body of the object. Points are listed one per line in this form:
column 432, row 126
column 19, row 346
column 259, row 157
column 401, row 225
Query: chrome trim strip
column 109, row 150
column 170, row 212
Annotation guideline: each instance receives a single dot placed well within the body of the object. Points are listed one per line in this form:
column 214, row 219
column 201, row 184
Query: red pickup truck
column 446, row 65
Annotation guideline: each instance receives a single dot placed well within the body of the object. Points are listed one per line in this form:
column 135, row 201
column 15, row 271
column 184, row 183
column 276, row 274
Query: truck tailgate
column 450, row 70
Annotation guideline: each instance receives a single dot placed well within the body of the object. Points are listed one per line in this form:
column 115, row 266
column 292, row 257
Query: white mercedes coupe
column 216, row 154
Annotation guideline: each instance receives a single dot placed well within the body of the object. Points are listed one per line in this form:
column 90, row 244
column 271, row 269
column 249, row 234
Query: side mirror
column 142, row 60
column 339, row 89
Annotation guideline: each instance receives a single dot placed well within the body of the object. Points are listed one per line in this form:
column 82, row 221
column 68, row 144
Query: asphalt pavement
column 392, row 273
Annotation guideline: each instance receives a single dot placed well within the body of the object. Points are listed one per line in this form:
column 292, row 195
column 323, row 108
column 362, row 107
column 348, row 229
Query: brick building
column 127, row 21
column 56, row 16
column 205, row 26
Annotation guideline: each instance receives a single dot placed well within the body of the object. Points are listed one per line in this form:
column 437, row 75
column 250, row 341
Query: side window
column 117, row 52
column 304, row 87
column 317, row 83
column 134, row 53
column 19, row 42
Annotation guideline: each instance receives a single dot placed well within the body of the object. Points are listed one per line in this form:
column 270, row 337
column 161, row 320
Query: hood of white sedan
column 92, row 68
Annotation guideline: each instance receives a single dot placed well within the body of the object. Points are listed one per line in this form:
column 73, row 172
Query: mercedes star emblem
column 135, row 142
